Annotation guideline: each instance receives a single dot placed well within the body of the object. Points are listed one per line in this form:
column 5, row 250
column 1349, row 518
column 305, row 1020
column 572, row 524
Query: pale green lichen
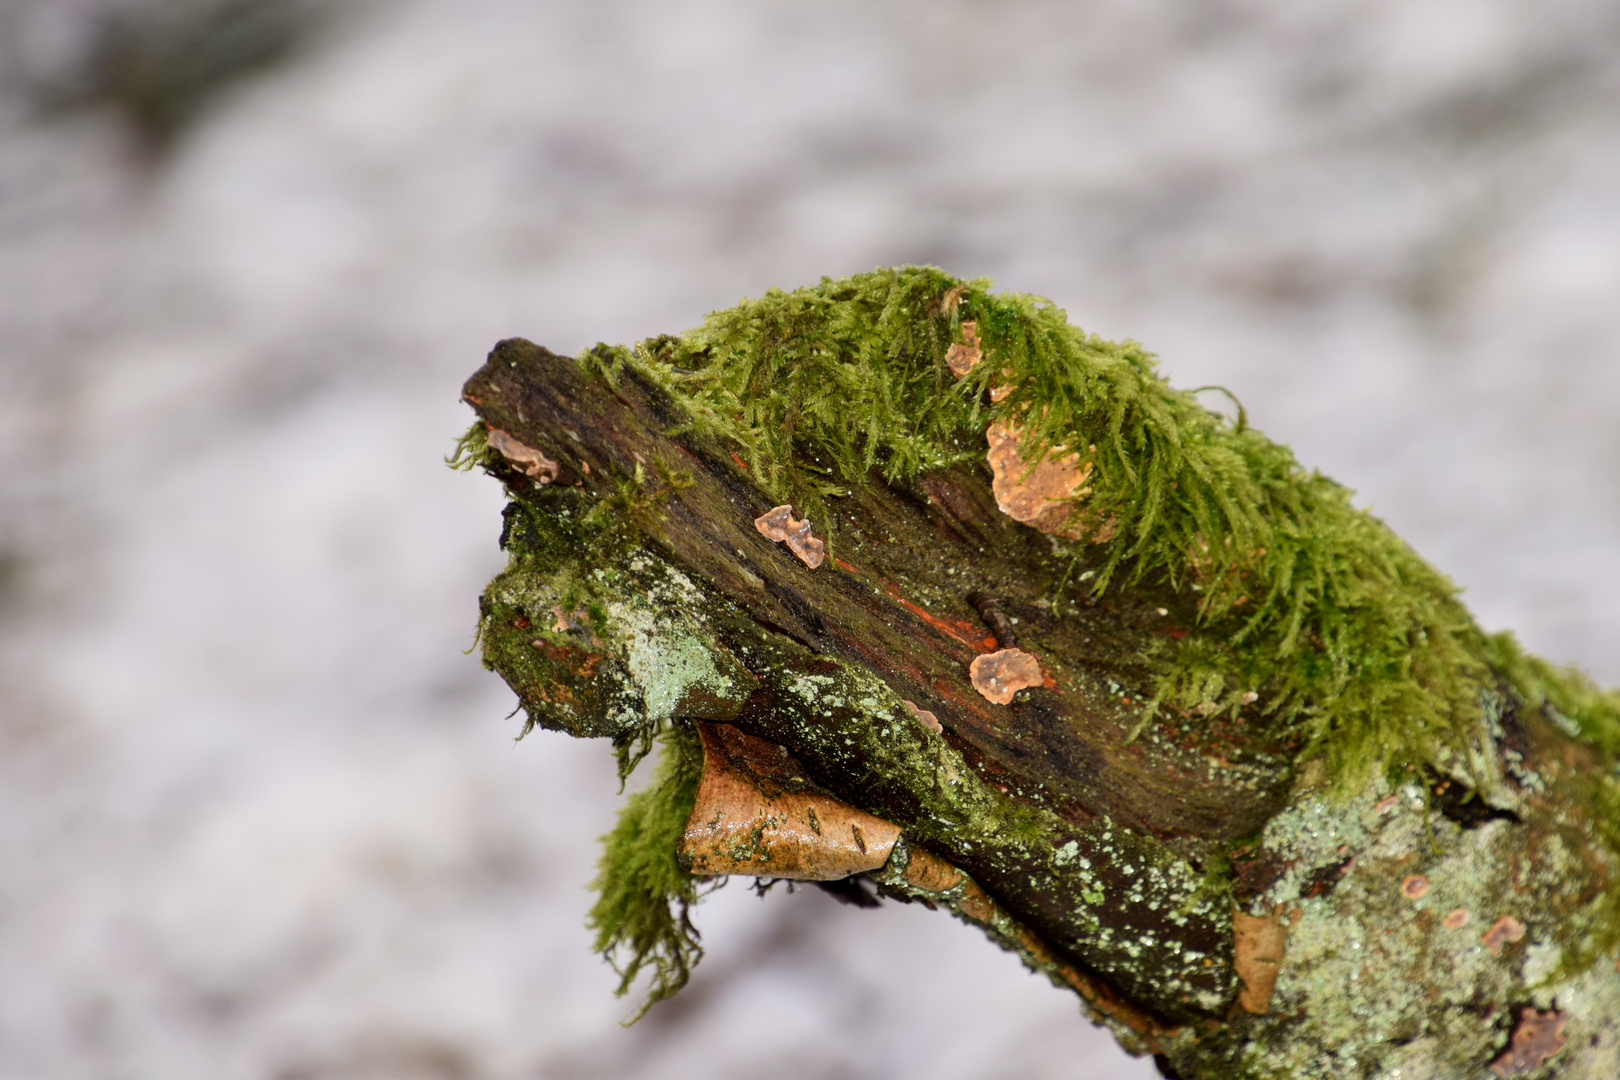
column 628, row 619
column 669, row 660
column 1375, row 982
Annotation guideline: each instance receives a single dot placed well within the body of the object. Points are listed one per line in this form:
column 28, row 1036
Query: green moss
column 1357, row 647
column 1588, row 710
column 642, row 912
column 471, row 448
column 1592, row 713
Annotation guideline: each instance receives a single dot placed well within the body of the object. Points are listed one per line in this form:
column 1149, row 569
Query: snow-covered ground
column 259, row 814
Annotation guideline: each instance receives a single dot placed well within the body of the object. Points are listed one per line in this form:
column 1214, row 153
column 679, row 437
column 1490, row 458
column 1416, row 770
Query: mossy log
column 1197, row 875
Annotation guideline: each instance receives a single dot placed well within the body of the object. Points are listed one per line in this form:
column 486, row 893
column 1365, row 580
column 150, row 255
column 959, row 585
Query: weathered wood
column 1092, row 852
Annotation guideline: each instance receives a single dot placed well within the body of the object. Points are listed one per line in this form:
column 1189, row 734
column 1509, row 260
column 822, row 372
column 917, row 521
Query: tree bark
column 1202, row 895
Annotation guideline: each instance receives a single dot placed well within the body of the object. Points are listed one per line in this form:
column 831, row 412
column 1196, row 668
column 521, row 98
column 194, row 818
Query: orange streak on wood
column 842, row 565
column 956, row 632
column 947, row 690
column 741, row 464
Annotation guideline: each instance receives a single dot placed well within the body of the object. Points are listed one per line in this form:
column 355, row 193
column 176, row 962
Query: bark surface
column 1202, row 895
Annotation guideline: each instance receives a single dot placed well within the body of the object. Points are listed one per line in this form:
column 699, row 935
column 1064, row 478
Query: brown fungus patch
column 1415, row 887
column 1042, row 493
column 1504, row 930
column 1537, row 1039
column 923, row 716
column 1000, row 675
column 962, row 357
column 527, row 459
column 779, row 524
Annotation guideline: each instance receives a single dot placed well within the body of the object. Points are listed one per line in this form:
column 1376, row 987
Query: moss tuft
column 1357, row 648
column 1592, row 712
column 471, row 449
column 642, row 912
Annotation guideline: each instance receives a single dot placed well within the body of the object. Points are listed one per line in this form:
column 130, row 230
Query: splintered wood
column 738, row 827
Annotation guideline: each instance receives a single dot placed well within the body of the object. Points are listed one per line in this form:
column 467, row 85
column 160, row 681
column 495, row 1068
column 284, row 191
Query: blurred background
column 259, row 814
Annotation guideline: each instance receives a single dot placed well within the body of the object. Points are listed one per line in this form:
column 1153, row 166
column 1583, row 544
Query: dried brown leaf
column 735, row 828
column 1259, row 943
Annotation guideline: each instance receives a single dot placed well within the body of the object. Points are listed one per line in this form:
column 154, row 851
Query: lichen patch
column 779, row 524
column 529, row 461
column 1000, row 675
